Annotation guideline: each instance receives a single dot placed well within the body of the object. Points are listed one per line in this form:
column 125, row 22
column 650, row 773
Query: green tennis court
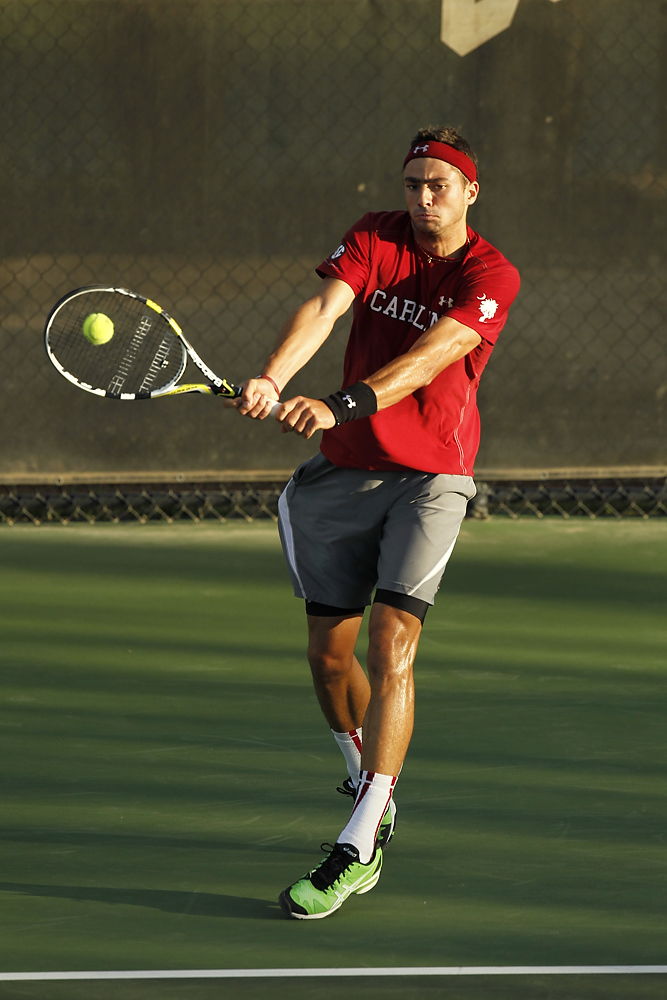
column 166, row 772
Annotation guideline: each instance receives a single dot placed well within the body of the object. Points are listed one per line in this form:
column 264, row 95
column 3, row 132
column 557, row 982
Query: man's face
column 437, row 195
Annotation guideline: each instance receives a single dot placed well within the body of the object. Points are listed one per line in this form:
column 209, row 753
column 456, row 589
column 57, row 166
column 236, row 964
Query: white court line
column 443, row 970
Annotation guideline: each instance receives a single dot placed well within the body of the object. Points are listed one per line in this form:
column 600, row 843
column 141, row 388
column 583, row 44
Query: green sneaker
column 388, row 824
column 325, row 889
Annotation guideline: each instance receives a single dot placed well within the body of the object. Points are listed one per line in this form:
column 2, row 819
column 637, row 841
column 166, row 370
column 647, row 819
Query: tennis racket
column 142, row 356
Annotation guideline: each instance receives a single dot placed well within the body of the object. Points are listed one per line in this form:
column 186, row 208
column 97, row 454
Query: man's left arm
column 446, row 342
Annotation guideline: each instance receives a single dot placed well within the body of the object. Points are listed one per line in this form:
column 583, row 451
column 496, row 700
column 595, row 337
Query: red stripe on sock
column 361, row 791
column 354, row 736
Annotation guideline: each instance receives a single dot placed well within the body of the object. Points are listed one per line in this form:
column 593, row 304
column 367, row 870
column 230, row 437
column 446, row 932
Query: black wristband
column 356, row 401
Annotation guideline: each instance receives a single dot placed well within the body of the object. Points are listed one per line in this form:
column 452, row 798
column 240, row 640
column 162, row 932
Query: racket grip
column 274, row 402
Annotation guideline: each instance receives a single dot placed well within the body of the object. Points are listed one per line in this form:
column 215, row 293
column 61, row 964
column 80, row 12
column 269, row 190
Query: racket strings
column 143, row 355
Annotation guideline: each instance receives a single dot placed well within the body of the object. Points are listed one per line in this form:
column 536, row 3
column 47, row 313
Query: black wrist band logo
column 355, row 401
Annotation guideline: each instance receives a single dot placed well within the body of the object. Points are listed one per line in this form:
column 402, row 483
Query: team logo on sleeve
column 487, row 307
column 337, row 253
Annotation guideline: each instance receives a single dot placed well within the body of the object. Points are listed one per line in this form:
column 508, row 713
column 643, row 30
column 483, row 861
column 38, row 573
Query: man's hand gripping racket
column 115, row 343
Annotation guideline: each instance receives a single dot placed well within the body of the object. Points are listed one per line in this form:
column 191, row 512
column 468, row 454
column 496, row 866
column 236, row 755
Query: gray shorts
column 347, row 531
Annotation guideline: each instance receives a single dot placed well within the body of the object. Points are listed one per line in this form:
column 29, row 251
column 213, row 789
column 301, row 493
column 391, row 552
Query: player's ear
column 471, row 192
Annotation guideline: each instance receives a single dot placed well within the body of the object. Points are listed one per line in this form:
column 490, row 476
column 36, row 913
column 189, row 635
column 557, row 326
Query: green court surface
column 166, row 772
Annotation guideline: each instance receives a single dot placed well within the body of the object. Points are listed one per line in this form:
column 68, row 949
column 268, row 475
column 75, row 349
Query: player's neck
column 452, row 243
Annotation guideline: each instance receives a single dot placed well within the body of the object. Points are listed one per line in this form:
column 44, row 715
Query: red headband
column 442, row 151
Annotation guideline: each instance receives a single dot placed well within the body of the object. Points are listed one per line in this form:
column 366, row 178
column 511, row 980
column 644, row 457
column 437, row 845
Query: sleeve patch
column 487, row 307
column 337, row 253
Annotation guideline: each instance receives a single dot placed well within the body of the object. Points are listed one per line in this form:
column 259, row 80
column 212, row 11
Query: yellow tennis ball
column 97, row 328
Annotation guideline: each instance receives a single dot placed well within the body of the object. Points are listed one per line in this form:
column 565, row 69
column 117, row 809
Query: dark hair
column 450, row 136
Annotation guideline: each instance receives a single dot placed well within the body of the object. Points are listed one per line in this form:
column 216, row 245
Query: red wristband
column 269, row 379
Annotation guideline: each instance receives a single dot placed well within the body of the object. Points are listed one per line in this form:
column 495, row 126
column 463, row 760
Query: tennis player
column 377, row 512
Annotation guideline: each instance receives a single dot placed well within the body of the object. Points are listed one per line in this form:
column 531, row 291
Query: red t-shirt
column 400, row 292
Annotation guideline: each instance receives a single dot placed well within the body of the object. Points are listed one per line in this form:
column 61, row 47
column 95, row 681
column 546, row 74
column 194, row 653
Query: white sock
column 373, row 798
column 350, row 744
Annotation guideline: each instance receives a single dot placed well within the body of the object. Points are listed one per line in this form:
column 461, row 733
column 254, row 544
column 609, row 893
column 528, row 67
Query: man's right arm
column 301, row 336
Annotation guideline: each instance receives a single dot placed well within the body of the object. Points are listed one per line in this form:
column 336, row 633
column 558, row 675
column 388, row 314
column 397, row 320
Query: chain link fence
column 169, row 502
column 209, row 153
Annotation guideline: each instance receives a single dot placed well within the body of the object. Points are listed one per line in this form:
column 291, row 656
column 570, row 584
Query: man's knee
column 392, row 644
column 329, row 660
column 387, row 672
column 331, row 642
column 327, row 665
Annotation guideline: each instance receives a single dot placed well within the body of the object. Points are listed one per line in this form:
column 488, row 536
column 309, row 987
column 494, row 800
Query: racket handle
column 274, row 403
column 220, row 391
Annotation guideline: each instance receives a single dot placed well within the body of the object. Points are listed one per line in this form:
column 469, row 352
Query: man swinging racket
column 379, row 509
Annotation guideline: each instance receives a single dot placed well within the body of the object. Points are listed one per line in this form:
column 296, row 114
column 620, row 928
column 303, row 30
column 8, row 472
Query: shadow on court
column 120, row 841
column 199, row 904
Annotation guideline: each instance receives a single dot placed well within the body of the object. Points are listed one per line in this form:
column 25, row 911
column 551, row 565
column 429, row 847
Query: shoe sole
column 284, row 899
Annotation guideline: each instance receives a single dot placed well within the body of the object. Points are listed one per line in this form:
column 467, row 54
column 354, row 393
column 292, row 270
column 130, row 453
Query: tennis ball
column 97, row 328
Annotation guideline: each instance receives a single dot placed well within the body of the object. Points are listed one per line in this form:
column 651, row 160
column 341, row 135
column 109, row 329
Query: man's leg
column 393, row 636
column 385, row 706
column 341, row 685
column 355, row 863
column 393, row 639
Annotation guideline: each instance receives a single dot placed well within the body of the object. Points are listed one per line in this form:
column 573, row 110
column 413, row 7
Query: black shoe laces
column 332, row 867
column 347, row 788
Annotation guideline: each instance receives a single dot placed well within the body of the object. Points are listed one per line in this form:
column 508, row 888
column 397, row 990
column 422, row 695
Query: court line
column 443, row 970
